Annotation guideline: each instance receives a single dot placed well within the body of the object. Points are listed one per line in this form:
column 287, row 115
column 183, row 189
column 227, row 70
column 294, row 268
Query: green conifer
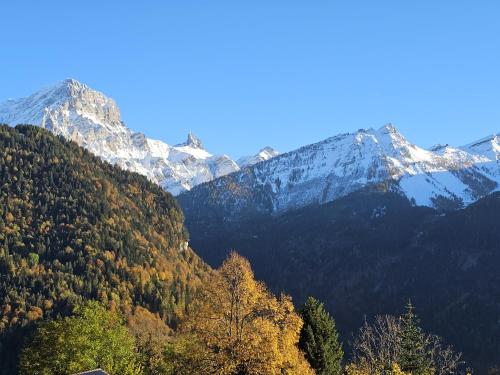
column 414, row 356
column 319, row 339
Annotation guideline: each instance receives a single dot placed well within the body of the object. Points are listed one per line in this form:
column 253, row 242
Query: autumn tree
column 319, row 339
column 152, row 336
column 242, row 328
column 445, row 360
column 92, row 338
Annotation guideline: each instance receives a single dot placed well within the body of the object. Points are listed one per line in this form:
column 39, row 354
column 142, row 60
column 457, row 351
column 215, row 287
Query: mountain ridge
column 264, row 154
column 444, row 177
column 91, row 119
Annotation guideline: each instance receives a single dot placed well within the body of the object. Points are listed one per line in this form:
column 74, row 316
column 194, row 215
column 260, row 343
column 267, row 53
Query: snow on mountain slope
column 264, row 154
column 324, row 171
column 316, row 173
column 489, row 147
column 92, row 120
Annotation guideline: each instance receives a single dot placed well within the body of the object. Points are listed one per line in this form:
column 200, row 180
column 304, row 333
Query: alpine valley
column 364, row 221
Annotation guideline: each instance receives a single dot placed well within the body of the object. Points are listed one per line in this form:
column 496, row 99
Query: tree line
column 235, row 326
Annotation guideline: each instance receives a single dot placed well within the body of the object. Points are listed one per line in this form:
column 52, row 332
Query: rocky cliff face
column 92, row 120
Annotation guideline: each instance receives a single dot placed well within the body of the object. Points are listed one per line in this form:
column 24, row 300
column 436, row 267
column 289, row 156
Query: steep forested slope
column 368, row 253
column 73, row 227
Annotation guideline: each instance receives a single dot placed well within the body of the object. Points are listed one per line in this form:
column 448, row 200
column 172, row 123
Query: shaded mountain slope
column 369, row 252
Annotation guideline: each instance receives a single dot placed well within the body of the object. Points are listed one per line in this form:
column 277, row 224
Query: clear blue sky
column 244, row 74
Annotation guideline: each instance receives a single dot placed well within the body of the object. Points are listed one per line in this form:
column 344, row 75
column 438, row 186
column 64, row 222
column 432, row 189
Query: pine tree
column 414, row 354
column 319, row 339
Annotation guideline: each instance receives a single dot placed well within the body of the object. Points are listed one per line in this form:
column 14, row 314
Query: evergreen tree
column 414, row 356
column 319, row 339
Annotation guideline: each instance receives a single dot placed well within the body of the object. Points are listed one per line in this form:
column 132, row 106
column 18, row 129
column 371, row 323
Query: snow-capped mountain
column 317, row 173
column 92, row 120
column 383, row 159
column 264, row 154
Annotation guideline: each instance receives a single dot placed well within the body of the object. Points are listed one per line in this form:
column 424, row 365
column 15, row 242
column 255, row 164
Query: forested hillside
column 74, row 228
column 95, row 271
column 368, row 253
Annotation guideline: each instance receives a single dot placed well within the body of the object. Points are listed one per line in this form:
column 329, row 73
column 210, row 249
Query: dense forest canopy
column 74, row 228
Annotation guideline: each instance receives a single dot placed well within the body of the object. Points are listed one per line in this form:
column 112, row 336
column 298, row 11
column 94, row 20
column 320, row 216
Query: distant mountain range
column 362, row 220
column 316, row 173
column 92, row 120
column 265, row 154
column 443, row 176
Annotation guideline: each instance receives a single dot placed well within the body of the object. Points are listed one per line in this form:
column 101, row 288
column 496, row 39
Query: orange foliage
column 242, row 327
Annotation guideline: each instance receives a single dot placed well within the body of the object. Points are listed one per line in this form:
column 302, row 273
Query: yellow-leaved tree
column 239, row 327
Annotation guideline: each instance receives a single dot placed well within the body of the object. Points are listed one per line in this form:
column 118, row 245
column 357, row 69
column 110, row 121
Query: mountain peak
column 388, row 128
column 488, row 147
column 69, row 108
column 269, row 150
column 264, row 153
column 65, row 89
column 77, row 112
column 72, row 82
column 193, row 141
